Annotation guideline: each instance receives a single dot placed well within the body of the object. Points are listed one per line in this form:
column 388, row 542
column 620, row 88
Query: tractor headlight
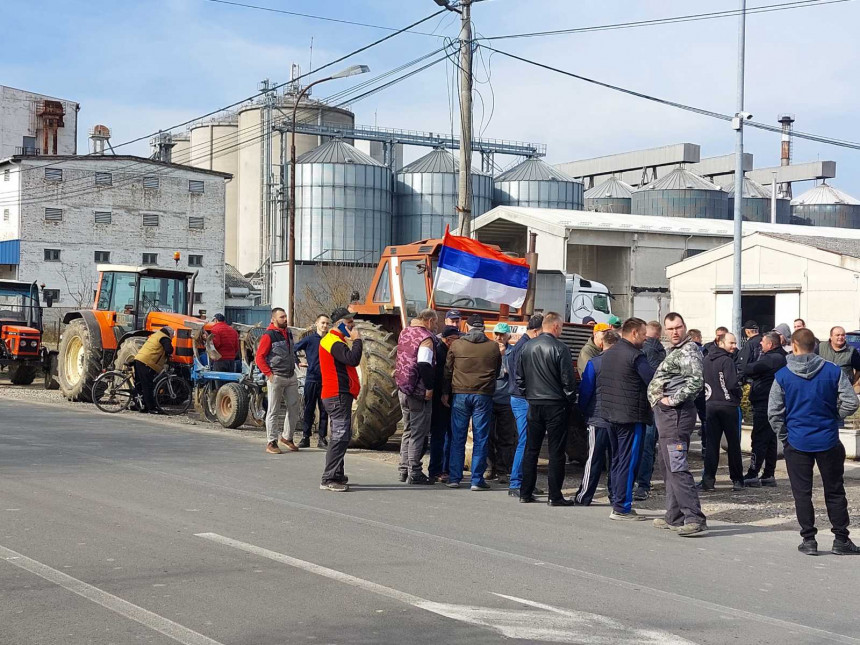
column 34, row 343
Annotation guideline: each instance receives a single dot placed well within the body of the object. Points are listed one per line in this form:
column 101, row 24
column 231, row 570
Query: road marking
column 566, row 626
column 117, row 605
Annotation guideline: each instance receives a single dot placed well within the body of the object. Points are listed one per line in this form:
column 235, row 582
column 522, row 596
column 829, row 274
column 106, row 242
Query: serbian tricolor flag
column 469, row 268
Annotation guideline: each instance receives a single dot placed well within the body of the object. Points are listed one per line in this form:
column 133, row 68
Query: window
column 169, row 295
column 53, row 174
column 150, row 219
column 198, row 297
column 50, row 295
column 383, row 289
column 6, row 175
column 5, row 214
column 53, row 214
column 195, row 223
column 195, row 186
column 412, row 276
column 150, row 182
column 104, row 179
column 195, row 260
column 600, row 303
column 103, row 217
column 102, row 257
column 52, row 255
column 150, row 258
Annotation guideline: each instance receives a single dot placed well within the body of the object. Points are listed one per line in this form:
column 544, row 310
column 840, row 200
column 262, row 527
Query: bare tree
column 330, row 285
column 82, row 289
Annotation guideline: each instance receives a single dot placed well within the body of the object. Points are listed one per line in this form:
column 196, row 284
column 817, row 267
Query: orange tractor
column 21, row 348
column 131, row 302
column 402, row 286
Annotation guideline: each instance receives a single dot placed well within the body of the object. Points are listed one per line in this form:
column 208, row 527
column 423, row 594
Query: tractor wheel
column 231, row 405
column 79, row 362
column 204, row 400
column 127, row 351
column 376, row 410
column 50, row 369
column 22, row 373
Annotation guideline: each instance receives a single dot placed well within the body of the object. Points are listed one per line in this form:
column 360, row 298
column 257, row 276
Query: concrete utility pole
column 464, row 202
column 266, row 224
column 738, row 125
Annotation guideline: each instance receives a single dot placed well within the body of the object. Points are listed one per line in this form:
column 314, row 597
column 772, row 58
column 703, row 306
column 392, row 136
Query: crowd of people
column 638, row 398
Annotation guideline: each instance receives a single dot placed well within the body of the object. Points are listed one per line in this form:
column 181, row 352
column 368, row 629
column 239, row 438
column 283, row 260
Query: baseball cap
column 535, row 322
column 450, row 331
column 341, row 313
column 587, row 319
column 615, row 321
column 219, row 317
column 454, row 314
column 475, row 321
column 602, row 327
column 502, row 328
column 750, row 324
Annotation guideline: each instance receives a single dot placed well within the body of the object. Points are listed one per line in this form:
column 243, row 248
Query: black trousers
column 144, row 385
column 503, row 439
column 339, row 408
column 764, row 448
column 550, row 421
column 831, row 466
column 723, row 420
column 313, row 402
column 702, row 413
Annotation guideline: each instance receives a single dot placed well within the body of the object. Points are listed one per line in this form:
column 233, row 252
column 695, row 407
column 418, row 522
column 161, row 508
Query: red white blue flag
column 469, row 268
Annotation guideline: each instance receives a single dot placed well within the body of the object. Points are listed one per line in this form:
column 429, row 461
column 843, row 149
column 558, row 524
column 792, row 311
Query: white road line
column 117, row 605
column 535, row 626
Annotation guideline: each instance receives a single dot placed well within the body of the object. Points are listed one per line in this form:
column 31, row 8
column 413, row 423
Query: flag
column 469, row 268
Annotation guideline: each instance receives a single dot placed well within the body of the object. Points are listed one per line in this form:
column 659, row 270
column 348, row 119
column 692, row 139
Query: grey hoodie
column 806, row 366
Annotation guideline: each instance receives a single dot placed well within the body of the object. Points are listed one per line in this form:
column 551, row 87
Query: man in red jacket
column 276, row 358
column 226, row 341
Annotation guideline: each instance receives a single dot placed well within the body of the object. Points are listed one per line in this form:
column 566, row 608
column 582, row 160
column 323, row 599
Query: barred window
column 53, row 214
column 104, row 179
column 6, row 175
column 53, row 174
column 195, row 186
column 150, row 219
column 195, row 222
column 103, row 217
column 5, row 214
column 150, row 181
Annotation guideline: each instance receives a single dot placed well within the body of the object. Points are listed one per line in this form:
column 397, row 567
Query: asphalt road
column 122, row 530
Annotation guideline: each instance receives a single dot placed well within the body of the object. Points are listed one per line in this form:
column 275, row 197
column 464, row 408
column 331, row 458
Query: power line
column 798, row 4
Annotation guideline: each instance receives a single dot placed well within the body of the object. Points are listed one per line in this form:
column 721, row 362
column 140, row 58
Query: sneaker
column 419, row 480
column 403, row 476
column 736, row 486
column 322, row 442
column 504, row 479
column 751, row 481
column 632, row 516
column 305, row 442
column 660, row 523
column 769, row 482
column 342, row 480
column 289, row 444
column 335, row 487
column 689, row 530
column 641, row 494
column 845, row 548
column 513, row 492
column 705, row 485
column 808, row 547
column 272, row 448
column 452, row 484
column 481, row 486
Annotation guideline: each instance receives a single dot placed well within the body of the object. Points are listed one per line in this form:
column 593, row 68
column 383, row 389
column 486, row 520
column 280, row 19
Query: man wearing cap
column 226, row 342
column 414, row 376
column 615, row 322
column 148, row 363
column 340, row 387
column 276, row 358
column 588, row 320
column 519, row 404
column 472, row 366
column 503, row 431
column 592, row 347
column 751, row 351
column 440, row 422
column 452, row 318
column 310, row 345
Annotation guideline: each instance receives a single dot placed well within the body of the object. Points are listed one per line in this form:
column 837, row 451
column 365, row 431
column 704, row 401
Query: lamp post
column 291, row 242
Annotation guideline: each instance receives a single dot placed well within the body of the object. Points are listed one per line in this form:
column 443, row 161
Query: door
column 723, row 312
column 787, row 308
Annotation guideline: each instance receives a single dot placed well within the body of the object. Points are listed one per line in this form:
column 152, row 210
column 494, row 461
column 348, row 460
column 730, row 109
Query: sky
column 143, row 65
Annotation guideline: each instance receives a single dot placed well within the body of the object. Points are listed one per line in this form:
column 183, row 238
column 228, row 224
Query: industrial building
column 36, row 124
column 63, row 215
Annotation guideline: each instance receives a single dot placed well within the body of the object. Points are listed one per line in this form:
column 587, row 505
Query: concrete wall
column 78, row 237
column 17, row 120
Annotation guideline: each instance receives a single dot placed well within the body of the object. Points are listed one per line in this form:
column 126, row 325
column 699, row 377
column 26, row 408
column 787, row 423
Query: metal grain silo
column 612, row 196
column 824, row 205
column 343, row 205
column 539, row 185
column 757, row 203
column 426, row 197
column 681, row 193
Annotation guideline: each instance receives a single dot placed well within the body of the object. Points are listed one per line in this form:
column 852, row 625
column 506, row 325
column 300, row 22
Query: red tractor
column 21, row 349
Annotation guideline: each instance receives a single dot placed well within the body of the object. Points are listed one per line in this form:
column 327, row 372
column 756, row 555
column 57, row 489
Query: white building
column 61, row 216
column 33, row 123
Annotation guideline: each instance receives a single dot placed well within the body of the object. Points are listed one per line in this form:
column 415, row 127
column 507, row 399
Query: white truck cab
column 587, row 298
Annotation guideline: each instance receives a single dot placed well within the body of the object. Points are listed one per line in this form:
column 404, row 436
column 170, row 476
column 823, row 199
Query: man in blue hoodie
column 808, row 400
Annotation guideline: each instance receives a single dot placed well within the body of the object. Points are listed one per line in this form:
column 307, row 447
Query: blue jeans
column 478, row 408
column 646, row 464
column 521, row 412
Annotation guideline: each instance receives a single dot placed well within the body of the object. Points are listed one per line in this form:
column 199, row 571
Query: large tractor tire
column 231, row 405
column 22, row 373
column 127, row 351
column 376, row 410
column 79, row 362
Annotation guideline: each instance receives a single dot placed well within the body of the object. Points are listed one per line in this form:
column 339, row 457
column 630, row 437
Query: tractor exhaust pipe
column 532, row 259
column 191, row 293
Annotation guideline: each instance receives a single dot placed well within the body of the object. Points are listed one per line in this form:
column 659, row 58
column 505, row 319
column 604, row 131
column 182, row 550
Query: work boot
column 513, row 492
column 335, row 487
column 641, row 494
column 305, row 442
column 632, row 516
column 844, row 547
column 322, row 442
column 706, row 485
column 272, row 448
column 768, row 482
column 752, row 481
column 660, row 523
column 289, row 444
column 809, row 546
column 737, row 486
column 690, row 530
column 419, row 480
column 403, row 475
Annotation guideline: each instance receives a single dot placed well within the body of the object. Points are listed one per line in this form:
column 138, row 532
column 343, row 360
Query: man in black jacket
column 718, row 333
column 622, row 389
column 546, row 378
column 764, row 447
column 751, row 350
column 654, row 353
column 722, row 402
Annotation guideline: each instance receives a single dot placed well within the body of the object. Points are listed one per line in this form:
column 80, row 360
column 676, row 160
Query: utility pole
column 738, row 125
column 464, row 201
column 266, row 228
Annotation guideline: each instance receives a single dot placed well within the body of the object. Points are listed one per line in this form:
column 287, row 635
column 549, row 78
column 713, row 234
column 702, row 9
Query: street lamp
column 291, row 246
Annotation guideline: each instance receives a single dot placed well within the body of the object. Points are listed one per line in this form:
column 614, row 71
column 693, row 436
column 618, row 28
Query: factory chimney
column 786, row 121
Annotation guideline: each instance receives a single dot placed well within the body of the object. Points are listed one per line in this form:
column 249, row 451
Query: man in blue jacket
column 310, row 345
column 808, row 399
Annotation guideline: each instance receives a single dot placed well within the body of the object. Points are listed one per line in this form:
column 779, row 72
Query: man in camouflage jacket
column 672, row 394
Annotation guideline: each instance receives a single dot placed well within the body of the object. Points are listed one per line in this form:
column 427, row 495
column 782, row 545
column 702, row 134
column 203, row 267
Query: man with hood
column 764, row 448
column 276, row 359
column 808, row 400
column 784, row 332
column 471, row 367
column 654, row 353
column 723, row 409
column 148, row 363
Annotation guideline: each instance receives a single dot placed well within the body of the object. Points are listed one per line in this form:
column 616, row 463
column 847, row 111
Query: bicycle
column 113, row 391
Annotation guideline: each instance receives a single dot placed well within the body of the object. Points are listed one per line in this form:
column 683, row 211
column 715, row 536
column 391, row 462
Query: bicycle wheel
column 172, row 395
column 113, row 391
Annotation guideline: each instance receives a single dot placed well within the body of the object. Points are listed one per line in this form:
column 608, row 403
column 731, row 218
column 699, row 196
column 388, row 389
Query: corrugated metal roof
column 752, row 190
column 233, row 278
column 840, row 246
column 824, row 194
column 337, row 151
column 10, row 252
column 534, row 170
column 681, row 179
column 437, row 160
column 611, row 188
